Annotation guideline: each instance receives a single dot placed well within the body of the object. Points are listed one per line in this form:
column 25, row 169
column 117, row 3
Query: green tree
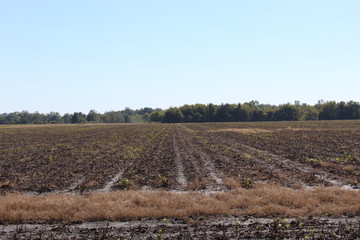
column 308, row 112
column 352, row 110
column 13, row 118
column 53, row 117
column 286, row 113
column 78, row 117
column 341, row 112
column 25, row 117
column 328, row 111
column 2, row 119
column 210, row 112
column 146, row 117
column 93, row 116
column 225, row 112
column 38, row 118
column 157, row 116
column 67, row 118
column 173, row 115
column 188, row 113
column 258, row 115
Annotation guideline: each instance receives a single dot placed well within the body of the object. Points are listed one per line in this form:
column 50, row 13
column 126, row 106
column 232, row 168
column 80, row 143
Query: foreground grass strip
column 265, row 200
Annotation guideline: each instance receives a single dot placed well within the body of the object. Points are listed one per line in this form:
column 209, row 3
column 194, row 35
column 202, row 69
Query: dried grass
column 327, row 164
column 264, row 200
column 243, row 130
column 349, row 168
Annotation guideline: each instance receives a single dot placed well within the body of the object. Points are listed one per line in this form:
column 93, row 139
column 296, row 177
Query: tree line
column 248, row 111
column 124, row 116
column 254, row 111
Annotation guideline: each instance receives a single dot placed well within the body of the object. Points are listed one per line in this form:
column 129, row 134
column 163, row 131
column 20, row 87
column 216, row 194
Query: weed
column 51, row 158
column 237, row 227
column 346, row 158
column 281, row 224
column 164, row 181
column 159, row 235
column 123, row 183
column 311, row 160
column 246, row 183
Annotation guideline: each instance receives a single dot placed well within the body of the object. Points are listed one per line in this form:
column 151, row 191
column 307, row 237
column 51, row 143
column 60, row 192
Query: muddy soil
column 200, row 228
column 299, row 155
column 178, row 157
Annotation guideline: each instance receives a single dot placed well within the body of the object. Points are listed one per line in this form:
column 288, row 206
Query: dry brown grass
column 231, row 183
column 264, row 200
column 243, row 130
column 327, row 164
column 349, row 168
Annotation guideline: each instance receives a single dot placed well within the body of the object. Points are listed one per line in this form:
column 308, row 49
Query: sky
column 68, row 56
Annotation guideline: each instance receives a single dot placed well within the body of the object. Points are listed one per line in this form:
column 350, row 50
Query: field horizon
column 66, row 174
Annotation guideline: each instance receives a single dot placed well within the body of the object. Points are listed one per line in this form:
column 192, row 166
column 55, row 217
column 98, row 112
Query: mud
column 200, row 228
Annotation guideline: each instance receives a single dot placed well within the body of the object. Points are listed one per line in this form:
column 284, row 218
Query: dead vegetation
column 262, row 200
column 243, row 130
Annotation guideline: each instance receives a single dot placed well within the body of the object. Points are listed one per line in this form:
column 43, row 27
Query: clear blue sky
column 68, row 56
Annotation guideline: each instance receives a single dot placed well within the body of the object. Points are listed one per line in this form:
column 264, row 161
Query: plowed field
column 183, row 181
column 180, row 157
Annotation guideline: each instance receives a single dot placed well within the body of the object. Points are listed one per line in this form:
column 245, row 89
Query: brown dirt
column 54, row 173
column 241, row 227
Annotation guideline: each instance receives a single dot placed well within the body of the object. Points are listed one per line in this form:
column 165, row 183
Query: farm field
column 179, row 157
column 197, row 171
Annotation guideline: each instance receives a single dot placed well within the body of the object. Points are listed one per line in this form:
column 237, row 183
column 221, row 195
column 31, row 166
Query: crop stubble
column 202, row 157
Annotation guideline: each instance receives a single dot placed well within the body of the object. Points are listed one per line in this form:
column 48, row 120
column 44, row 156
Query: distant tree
column 2, row 118
column 225, row 112
column 241, row 114
column 199, row 112
column 254, row 104
column 127, row 118
column 67, row 118
column 352, row 110
column 93, row 116
column 25, row 117
column 157, row 116
column 173, row 115
column 38, row 118
column 308, row 112
column 210, row 112
column 270, row 115
column 135, row 118
column 146, row 117
column 286, row 113
column 13, row 118
column 128, row 111
column 113, row 117
column 78, row 117
column 258, row 115
column 341, row 112
column 188, row 113
column 53, row 117
column 120, row 117
column 248, row 111
column 328, row 111
column 144, row 110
